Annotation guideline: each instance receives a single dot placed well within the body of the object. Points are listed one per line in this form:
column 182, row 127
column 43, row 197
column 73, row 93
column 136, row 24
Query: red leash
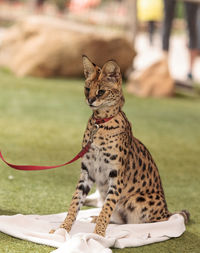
column 79, row 155
column 35, row 167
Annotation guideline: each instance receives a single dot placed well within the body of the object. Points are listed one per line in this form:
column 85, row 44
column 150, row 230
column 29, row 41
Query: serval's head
column 103, row 86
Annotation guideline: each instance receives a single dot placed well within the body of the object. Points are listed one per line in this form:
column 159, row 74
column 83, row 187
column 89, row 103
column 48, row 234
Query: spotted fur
column 121, row 166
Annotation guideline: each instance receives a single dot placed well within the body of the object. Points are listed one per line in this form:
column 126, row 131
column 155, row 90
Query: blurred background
column 156, row 42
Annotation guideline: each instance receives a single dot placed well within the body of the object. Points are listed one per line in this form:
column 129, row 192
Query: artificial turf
column 42, row 122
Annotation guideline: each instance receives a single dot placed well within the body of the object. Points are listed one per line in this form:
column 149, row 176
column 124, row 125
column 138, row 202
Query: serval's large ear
column 111, row 71
column 88, row 66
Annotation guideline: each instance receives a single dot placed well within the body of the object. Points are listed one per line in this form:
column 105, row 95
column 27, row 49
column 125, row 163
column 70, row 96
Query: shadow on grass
column 191, row 222
column 7, row 212
column 188, row 96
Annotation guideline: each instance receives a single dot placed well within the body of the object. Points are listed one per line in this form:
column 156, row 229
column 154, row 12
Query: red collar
column 100, row 121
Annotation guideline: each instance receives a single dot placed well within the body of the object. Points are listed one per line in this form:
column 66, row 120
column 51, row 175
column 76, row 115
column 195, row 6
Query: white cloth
column 35, row 228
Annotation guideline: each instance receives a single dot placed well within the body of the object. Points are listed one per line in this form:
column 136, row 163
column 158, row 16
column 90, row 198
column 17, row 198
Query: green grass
column 42, row 122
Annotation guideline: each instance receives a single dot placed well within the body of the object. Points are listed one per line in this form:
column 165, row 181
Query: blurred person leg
column 39, row 6
column 151, row 30
column 198, row 30
column 169, row 7
column 191, row 9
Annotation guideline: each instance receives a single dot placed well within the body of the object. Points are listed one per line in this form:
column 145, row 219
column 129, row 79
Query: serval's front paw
column 66, row 226
column 100, row 231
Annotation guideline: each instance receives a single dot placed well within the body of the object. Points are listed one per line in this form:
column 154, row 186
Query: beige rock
column 155, row 81
column 46, row 46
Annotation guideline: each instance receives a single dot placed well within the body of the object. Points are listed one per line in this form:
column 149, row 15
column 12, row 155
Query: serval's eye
column 100, row 93
column 87, row 90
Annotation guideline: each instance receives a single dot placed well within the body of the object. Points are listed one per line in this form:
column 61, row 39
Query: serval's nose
column 91, row 100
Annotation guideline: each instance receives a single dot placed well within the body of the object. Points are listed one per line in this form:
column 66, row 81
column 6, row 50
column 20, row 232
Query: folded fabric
column 81, row 239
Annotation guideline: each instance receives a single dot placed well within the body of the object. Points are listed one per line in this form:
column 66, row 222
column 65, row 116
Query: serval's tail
column 185, row 214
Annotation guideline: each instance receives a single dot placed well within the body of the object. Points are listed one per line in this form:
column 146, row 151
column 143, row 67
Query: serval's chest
column 99, row 166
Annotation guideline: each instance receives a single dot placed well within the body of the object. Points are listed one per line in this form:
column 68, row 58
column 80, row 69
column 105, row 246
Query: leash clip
column 93, row 132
